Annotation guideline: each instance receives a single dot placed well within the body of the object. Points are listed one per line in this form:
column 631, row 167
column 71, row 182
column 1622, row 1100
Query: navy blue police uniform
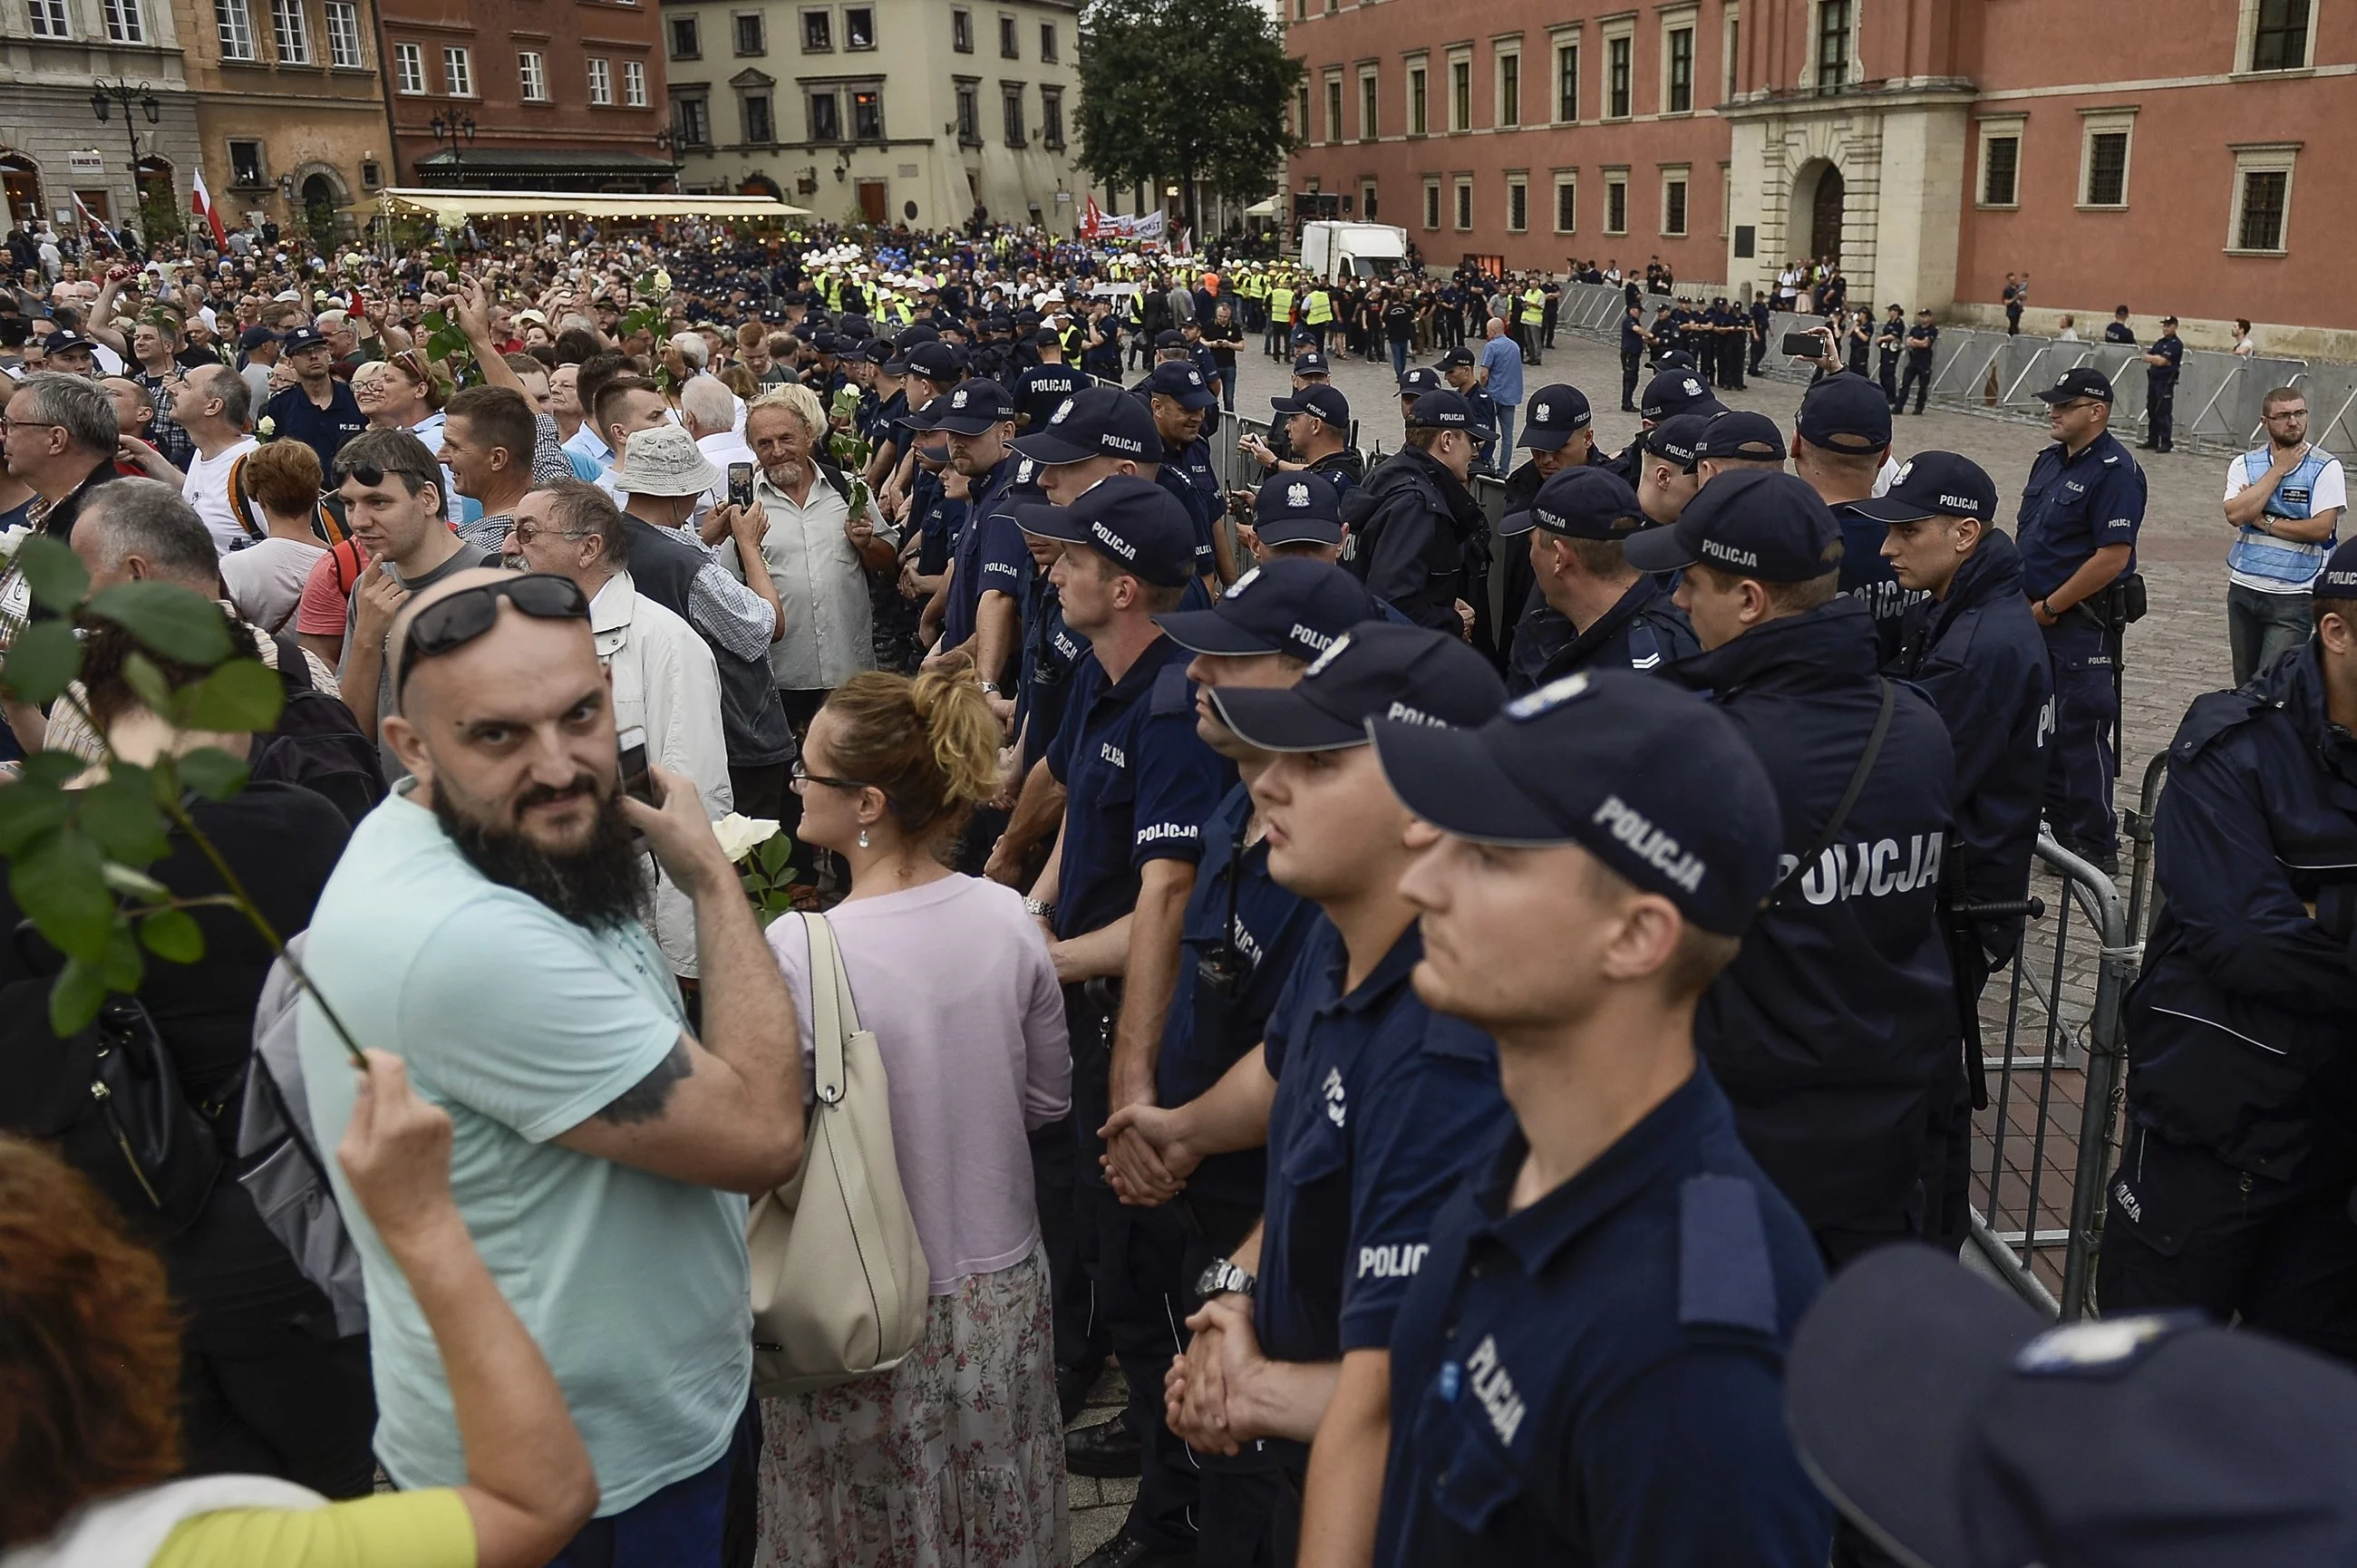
column 1531, row 631
column 1139, row 785
column 1845, row 413
column 1643, row 630
column 990, row 555
column 2073, row 505
column 1835, row 1019
column 2233, row 1192
column 1594, row 1375
column 1632, row 355
column 1421, row 540
column 1922, row 340
column 291, row 415
column 1042, row 388
column 2161, row 389
column 1977, row 654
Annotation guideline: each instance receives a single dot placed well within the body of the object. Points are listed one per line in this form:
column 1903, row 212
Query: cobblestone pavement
column 1099, row 1507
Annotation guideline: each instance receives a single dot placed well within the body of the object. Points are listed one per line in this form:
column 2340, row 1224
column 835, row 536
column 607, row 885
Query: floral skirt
column 953, row 1459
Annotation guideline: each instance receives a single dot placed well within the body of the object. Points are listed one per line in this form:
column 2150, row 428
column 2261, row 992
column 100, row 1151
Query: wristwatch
column 1040, row 909
column 1223, row 1277
column 990, row 688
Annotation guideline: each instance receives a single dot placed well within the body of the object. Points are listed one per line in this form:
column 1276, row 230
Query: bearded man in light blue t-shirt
column 484, row 924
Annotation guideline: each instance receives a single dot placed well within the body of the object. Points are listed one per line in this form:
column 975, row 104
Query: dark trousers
column 2086, row 736
column 2185, row 1229
column 1948, row 1165
column 761, row 792
column 1055, row 1183
column 697, row 1522
column 1917, row 379
column 2160, row 412
column 1760, row 353
column 1631, row 361
column 1241, row 1495
column 1890, row 379
column 296, row 1406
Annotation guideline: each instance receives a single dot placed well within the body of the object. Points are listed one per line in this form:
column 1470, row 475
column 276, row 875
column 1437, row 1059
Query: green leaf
column 27, row 810
column 179, row 623
column 53, row 571
column 242, row 696
column 120, row 816
column 173, row 934
column 121, row 968
column 774, row 852
column 75, row 999
column 53, row 770
column 213, row 773
column 61, row 886
column 44, row 659
column 146, row 681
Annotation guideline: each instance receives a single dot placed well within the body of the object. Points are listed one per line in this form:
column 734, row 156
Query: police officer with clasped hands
column 2233, row 1192
column 2077, row 530
column 1613, row 616
column 1588, row 1367
column 1422, row 541
column 1832, row 1026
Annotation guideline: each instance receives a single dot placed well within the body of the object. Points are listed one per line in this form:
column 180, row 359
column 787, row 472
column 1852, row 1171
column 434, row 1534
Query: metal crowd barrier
column 2135, row 825
column 2053, row 1052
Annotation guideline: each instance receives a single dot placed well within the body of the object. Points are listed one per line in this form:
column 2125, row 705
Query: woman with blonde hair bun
column 956, row 1456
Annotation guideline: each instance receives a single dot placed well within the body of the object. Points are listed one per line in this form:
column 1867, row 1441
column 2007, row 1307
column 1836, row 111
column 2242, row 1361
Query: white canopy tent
column 402, row 201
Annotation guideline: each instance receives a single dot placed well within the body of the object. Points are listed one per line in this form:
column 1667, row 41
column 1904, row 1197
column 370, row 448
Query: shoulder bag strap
column 1849, row 796
column 834, row 1017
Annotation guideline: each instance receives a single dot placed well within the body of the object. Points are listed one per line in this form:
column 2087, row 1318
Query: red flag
column 201, row 202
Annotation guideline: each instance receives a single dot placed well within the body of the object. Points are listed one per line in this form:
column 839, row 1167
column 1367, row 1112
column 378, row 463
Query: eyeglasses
column 2287, row 413
column 34, row 424
column 452, row 623
column 525, row 533
column 801, row 776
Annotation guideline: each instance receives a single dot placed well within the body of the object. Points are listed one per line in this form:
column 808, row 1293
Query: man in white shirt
column 708, row 411
column 814, row 549
column 212, row 406
column 663, row 677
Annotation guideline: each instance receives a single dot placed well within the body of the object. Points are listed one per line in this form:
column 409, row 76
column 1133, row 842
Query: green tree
column 1191, row 89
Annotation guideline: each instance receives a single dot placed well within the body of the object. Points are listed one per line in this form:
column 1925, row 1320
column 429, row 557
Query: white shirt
column 820, row 585
column 206, row 488
column 724, row 447
column 666, row 683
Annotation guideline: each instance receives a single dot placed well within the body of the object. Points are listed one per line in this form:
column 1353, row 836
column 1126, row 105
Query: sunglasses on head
column 454, row 622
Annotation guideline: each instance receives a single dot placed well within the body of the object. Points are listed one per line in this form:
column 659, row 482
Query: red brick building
column 2172, row 155
column 561, row 95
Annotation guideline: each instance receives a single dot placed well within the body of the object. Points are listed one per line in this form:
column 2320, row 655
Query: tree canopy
column 1192, row 89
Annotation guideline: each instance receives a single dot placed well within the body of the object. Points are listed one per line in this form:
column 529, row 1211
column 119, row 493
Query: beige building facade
column 881, row 112
column 54, row 147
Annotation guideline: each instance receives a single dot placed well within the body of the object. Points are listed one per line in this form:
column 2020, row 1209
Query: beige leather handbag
column 839, row 1276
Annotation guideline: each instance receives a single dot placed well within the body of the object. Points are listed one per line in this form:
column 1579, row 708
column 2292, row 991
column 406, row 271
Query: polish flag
column 201, row 202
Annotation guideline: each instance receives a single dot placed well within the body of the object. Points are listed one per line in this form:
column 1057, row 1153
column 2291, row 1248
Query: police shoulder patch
column 1725, row 1280
column 1172, row 693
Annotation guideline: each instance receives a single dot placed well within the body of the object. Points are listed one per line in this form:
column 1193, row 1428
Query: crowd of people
column 1439, row 1053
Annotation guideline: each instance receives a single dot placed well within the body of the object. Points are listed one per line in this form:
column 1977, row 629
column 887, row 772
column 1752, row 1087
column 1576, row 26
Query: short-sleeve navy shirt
column 1598, row 1378
column 2073, row 507
column 1139, row 782
column 2169, row 349
column 1381, row 1105
column 295, row 417
column 1209, row 1030
column 991, row 557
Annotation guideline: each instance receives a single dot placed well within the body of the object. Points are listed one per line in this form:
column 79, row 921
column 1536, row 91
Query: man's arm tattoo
column 646, row 1100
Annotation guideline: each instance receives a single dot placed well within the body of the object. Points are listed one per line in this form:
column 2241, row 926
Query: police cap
column 1675, row 392
column 1376, row 670
column 1587, row 502
column 1324, row 401
column 1133, row 522
column 1299, row 508
column 1094, row 422
column 1181, row 381
column 974, row 407
column 1287, row 605
column 1557, row 412
column 1934, row 484
column 2085, row 382
column 1662, row 788
column 1845, row 413
column 1740, row 434
column 1676, row 438
column 1420, row 381
column 1311, row 363
column 1764, row 524
column 1446, row 411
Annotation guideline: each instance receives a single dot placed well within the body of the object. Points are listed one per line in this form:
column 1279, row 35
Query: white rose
column 741, row 835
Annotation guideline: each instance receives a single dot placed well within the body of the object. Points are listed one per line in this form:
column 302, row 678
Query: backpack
column 280, row 1165
column 318, row 743
column 328, row 523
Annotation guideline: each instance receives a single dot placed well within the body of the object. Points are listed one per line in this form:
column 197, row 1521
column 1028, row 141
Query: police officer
column 1239, row 938
column 1139, row 785
column 2233, row 1191
column 1180, row 399
column 1045, row 384
column 1972, row 647
column 1588, row 1367
column 2077, row 530
column 1316, row 420
column 1297, row 515
column 1422, row 539
column 1921, row 338
column 1559, row 432
column 1462, row 372
column 1414, row 385
column 1833, row 1024
column 1373, row 1106
column 1757, row 334
column 989, row 569
column 1612, row 615
column 1634, row 340
column 2162, row 361
column 1669, row 456
column 2117, row 329
column 1673, row 391
column 1888, row 342
column 1842, row 438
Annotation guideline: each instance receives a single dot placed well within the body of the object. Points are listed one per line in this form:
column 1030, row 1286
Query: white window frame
column 2264, row 157
column 409, row 69
column 1676, row 174
column 1518, row 181
column 2246, row 39
column 1501, row 51
column 1566, row 180
column 125, row 22
column 1725, row 200
column 1459, row 105
column 1616, row 30
column 49, row 19
column 261, row 162
column 1616, row 179
column 1417, row 67
column 290, row 32
column 1809, row 82
column 1996, row 127
column 1730, row 39
column 2094, row 123
column 532, row 76
column 634, row 84
column 346, row 52
column 1431, row 212
column 1371, row 94
column 1460, row 204
column 1688, row 17
column 1367, row 199
column 1562, row 40
column 457, row 71
column 601, row 81
column 1333, row 92
column 233, row 23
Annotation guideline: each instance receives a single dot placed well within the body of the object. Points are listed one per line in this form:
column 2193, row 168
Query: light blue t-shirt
column 1504, row 359
column 523, row 1024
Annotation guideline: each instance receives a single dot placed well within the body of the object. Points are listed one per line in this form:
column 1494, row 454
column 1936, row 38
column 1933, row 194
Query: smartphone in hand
column 740, row 485
column 635, row 781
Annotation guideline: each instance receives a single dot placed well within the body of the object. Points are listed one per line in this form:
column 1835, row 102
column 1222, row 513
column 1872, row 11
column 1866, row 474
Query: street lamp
column 669, row 141
column 121, row 91
column 453, row 127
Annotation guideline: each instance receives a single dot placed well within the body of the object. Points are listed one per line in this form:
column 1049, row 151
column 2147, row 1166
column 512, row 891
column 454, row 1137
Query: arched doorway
column 20, row 182
column 321, row 194
column 1817, row 209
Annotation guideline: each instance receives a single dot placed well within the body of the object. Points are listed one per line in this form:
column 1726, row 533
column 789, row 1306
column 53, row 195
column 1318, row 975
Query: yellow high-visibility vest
column 1280, row 302
column 1318, row 309
column 1534, row 304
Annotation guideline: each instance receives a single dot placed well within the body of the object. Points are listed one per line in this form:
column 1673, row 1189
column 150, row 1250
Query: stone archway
column 1818, row 210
